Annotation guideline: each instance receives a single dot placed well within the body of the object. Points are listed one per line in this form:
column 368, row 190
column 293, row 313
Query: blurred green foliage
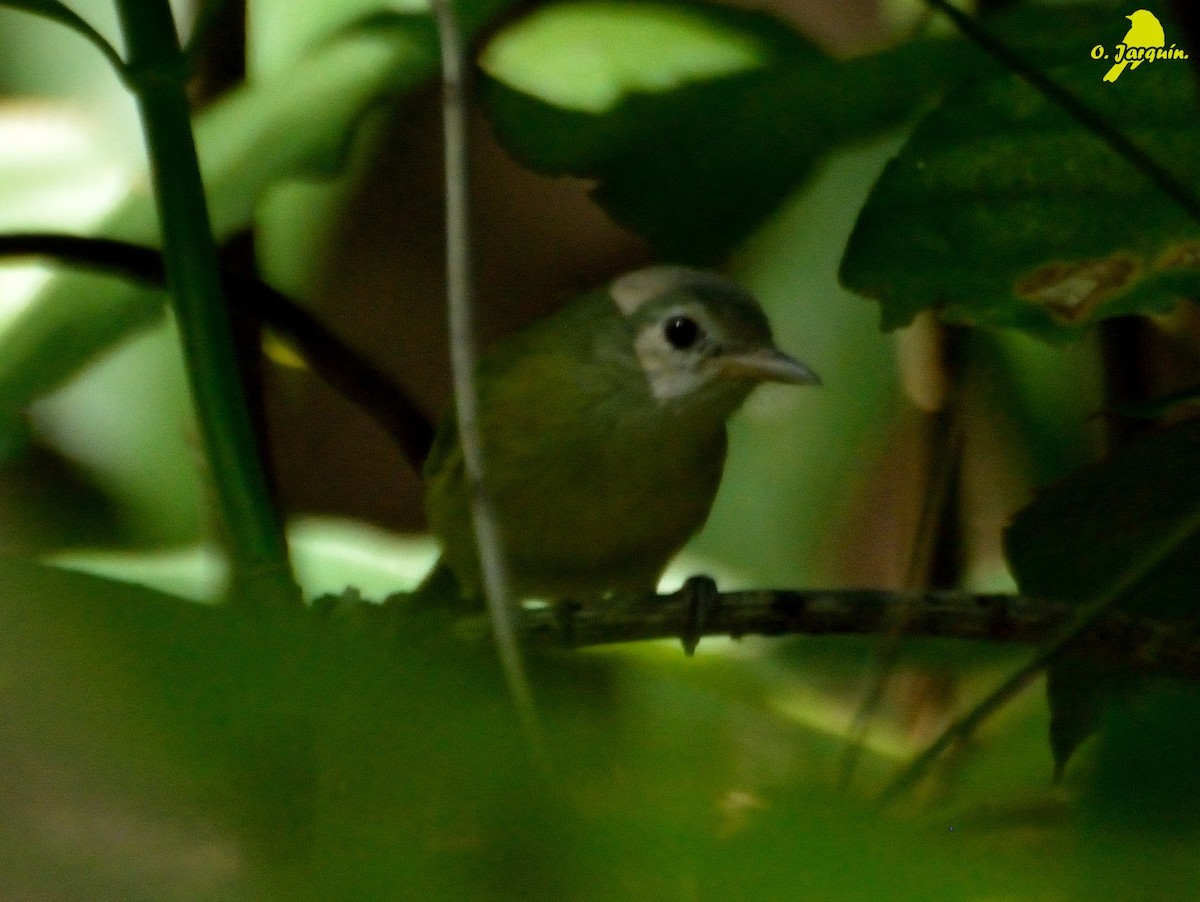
column 369, row 751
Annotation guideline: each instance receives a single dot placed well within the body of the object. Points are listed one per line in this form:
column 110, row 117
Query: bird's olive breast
column 595, row 484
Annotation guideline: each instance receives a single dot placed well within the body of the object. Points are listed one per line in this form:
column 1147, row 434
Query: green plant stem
column 156, row 72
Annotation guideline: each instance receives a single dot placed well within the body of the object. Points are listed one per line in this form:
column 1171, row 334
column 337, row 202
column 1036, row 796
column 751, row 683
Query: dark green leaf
column 1086, row 533
column 1079, row 693
column 1002, row 210
column 358, row 751
column 699, row 162
column 1130, row 520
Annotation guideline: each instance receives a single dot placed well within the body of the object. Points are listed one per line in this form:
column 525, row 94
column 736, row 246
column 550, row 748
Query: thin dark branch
column 1159, row 175
column 1118, row 639
column 331, row 359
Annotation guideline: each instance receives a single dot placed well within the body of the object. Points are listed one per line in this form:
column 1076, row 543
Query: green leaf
column 1002, row 210
column 64, row 15
column 1132, row 520
column 635, row 47
column 1082, row 535
column 694, row 146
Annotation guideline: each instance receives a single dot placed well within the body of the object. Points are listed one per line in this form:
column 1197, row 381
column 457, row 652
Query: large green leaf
column 608, row 49
column 1083, row 535
column 1130, row 525
column 694, row 145
column 1003, row 210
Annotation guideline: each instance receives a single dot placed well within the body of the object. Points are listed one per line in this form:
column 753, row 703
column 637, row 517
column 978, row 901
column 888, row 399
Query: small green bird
column 603, row 432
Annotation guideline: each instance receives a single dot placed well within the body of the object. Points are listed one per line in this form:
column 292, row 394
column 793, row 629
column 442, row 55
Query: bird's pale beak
column 765, row 365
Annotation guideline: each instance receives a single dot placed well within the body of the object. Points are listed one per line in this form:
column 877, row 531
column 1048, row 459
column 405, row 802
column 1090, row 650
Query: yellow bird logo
column 1145, row 33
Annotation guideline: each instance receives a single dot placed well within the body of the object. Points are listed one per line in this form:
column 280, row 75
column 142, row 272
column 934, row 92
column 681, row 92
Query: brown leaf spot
column 1072, row 291
column 1184, row 255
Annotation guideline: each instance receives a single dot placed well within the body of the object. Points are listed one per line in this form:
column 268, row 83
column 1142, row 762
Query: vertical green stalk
column 156, row 71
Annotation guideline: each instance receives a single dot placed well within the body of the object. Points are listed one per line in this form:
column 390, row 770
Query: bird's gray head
column 697, row 333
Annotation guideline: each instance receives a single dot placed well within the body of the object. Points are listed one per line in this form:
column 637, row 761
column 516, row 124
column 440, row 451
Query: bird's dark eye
column 681, row 332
